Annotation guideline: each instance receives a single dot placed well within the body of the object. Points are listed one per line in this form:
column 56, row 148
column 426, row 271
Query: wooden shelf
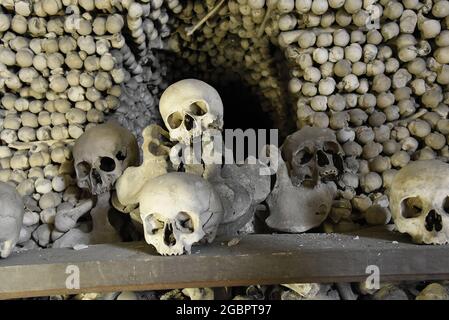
column 256, row 259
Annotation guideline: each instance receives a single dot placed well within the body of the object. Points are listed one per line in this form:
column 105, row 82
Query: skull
column 177, row 210
column 419, row 201
column 313, row 155
column 189, row 107
column 101, row 155
column 304, row 191
column 11, row 217
column 298, row 208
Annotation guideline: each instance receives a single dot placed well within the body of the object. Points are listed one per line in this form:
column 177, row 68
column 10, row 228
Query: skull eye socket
column 305, row 157
column 184, row 221
column 153, row 225
column 107, row 164
column 83, row 169
column 446, row 205
column 198, row 108
column 411, row 207
column 156, row 150
column 322, row 158
column 174, row 120
column 331, row 147
column 338, row 162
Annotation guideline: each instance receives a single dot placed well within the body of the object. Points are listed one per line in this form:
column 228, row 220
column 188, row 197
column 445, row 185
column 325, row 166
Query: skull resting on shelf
column 177, row 210
column 101, row 154
column 313, row 155
column 419, row 201
column 302, row 197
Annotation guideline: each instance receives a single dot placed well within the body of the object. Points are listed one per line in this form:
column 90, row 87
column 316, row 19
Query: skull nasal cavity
column 107, row 164
column 169, row 237
column 189, row 122
column 433, row 221
column 306, row 157
column 322, row 158
column 120, row 156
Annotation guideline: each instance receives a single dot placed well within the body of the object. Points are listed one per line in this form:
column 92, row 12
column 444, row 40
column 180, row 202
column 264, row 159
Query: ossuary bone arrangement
column 97, row 96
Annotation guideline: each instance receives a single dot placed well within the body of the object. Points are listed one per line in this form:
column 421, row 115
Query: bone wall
column 66, row 66
column 375, row 72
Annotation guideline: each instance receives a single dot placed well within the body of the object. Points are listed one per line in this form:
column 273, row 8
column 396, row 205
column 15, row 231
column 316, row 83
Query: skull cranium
column 419, row 201
column 313, row 155
column 304, row 191
column 177, row 210
column 11, row 217
column 189, row 107
column 101, row 154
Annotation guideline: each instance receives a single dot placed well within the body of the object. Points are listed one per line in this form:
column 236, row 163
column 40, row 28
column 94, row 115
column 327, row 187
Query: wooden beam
column 256, row 259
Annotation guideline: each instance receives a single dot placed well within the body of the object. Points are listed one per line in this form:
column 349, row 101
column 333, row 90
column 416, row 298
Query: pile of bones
column 356, row 87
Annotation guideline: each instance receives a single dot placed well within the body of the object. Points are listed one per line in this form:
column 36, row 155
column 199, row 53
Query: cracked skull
column 101, row 155
column 11, row 217
column 178, row 210
column 189, row 107
column 419, row 201
column 302, row 196
column 313, row 155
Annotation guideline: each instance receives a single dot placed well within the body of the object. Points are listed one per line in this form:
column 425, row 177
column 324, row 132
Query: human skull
column 189, row 107
column 177, row 210
column 313, row 155
column 298, row 208
column 11, row 217
column 101, row 154
column 419, row 201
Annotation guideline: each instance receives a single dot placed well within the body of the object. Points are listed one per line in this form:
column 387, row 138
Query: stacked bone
column 223, row 35
column 146, row 77
column 376, row 73
column 59, row 76
column 373, row 71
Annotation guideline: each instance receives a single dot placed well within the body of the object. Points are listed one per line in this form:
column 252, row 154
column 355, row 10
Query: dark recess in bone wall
column 242, row 108
column 242, row 103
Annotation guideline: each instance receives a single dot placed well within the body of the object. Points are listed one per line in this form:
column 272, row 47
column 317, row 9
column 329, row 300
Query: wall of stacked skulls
column 373, row 71
column 66, row 66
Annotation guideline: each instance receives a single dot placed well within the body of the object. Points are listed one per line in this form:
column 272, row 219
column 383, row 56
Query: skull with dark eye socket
column 101, row 155
column 313, row 155
column 419, row 201
column 189, row 108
